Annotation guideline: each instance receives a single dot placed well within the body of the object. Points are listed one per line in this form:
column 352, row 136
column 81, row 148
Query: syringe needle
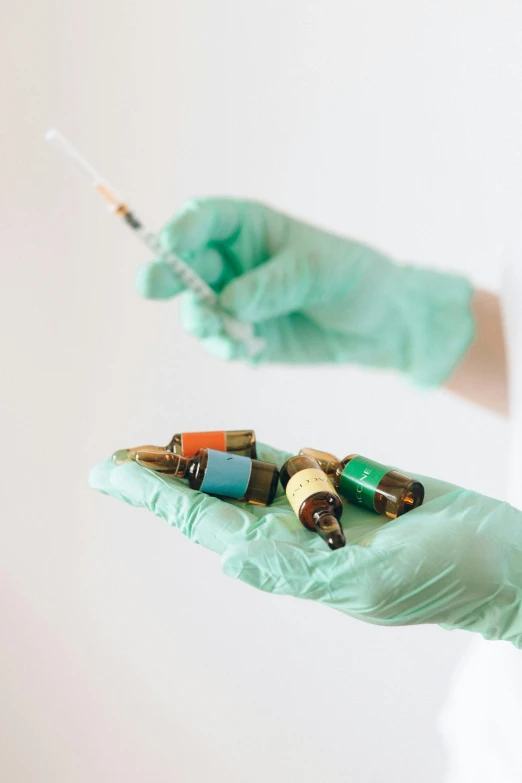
column 235, row 329
column 70, row 150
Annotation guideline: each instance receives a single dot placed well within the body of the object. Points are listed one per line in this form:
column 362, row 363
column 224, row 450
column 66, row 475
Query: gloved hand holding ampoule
column 312, row 296
column 456, row 560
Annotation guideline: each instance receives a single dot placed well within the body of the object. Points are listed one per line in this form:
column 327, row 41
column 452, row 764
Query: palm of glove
column 450, row 561
column 309, row 293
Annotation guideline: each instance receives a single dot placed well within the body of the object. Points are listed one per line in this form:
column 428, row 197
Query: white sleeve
column 482, row 721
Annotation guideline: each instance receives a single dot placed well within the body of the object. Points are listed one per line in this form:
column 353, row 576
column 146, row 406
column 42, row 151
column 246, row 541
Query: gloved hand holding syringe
column 235, row 330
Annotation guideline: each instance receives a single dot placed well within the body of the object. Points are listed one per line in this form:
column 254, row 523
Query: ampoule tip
column 121, row 456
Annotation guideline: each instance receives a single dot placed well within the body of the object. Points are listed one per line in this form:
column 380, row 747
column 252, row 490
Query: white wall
column 126, row 654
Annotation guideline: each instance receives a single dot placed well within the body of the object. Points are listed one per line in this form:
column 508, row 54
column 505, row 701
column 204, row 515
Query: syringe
column 235, row 329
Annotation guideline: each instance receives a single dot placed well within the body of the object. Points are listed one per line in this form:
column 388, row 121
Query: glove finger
column 312, row 572
column 158, row 280
column 198, row 319
column 202, row 321
column 200, row 222
column 206, row 520
column 292, row 338
column 203, row 519
column 288, row 282
column 100, row 476
column 207, row 324
column 225, row 349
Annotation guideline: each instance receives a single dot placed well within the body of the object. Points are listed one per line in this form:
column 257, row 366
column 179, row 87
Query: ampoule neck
column 329, row 528
column 163, row 461
column 327, row 462
column 129, row 455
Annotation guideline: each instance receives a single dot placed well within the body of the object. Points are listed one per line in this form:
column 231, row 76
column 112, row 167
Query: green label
column 360, row 479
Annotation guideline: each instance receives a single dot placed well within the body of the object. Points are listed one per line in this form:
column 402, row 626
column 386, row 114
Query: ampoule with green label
column 370, row 484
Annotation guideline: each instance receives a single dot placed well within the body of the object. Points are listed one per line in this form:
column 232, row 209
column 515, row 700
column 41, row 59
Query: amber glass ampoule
column 313, row 498
column 370, row 484
column 216, row 473
column 188, row 444
column 241, row 442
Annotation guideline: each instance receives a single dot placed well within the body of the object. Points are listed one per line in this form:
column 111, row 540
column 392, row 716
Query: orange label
column 192, row 442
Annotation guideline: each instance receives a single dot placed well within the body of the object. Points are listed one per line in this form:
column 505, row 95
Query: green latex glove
column 456, row 560
column 312, row 296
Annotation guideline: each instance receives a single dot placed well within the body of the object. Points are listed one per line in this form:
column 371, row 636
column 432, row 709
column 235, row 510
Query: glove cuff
column 436, row 309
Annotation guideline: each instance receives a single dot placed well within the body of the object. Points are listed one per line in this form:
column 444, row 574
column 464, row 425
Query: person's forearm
column 481, row 375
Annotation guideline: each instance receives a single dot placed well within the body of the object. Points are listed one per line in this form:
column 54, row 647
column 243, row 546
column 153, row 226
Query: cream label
column 305, row 483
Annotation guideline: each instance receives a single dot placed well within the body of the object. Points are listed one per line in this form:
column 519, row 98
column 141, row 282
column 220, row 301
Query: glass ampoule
column 313, row 499
column 370, row 484
column 242, row 442
column 216, row 473
column 188, row 444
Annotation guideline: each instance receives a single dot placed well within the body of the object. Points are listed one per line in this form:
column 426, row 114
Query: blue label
column 226, row 474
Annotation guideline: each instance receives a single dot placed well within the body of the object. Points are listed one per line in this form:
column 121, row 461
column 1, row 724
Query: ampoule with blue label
column 216, row 473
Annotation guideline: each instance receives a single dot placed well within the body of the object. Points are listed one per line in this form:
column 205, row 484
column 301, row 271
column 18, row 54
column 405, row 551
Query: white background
column 125, row 653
